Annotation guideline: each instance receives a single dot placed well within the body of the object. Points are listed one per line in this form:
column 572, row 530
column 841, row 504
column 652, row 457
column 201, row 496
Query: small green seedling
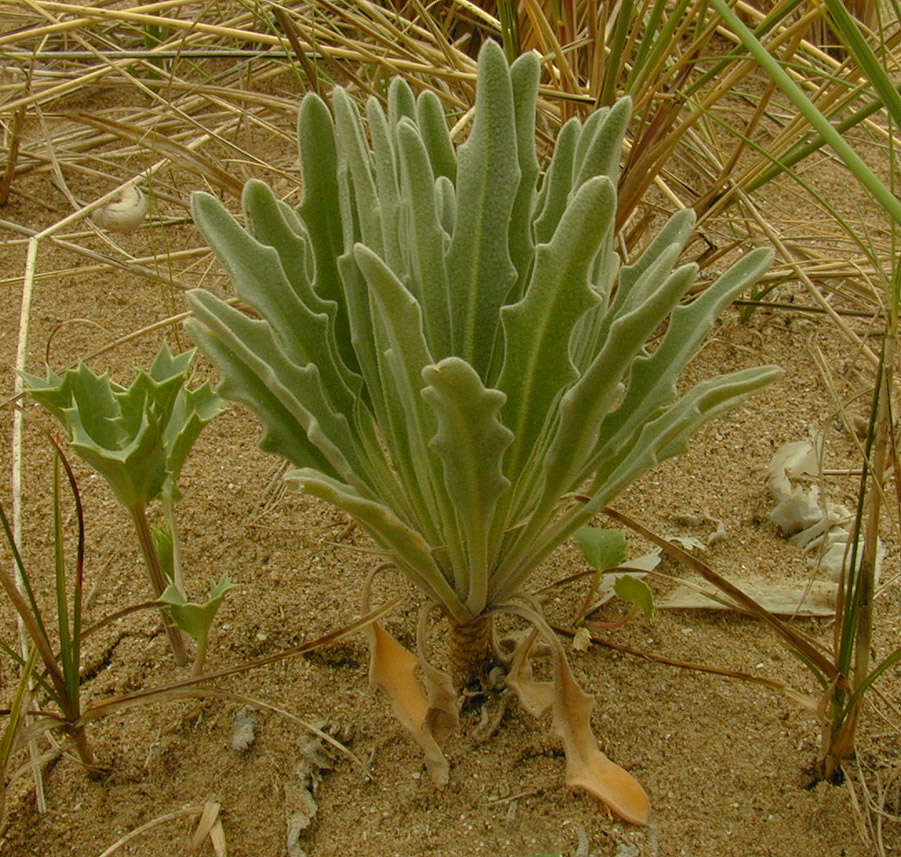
column 605, row 550
column 196, row 618
column 137, row 438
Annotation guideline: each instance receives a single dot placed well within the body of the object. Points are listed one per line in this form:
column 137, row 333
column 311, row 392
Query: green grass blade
column 59, row 564
column 853, row 41
column 852, row 160
column 72, row 665
column 886, row 664
column 34, row 615
column 8, row 736
column 46, row 686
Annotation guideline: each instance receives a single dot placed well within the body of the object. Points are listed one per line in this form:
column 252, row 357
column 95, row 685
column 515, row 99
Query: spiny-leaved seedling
column 446, row 346
column 137, row 438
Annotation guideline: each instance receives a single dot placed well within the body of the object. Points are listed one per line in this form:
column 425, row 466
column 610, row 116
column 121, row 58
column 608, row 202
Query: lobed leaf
column 537, row 366
column 428, row 279
column 470, row 441
column 320, row 211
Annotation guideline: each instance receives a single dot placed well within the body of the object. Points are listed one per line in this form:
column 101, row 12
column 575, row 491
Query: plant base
column 470, row 652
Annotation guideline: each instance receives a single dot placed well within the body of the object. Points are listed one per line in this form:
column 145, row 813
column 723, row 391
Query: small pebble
column 243, row 734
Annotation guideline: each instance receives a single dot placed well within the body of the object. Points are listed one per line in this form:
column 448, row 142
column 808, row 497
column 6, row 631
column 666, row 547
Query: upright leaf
column 470, row 442
column 479, row 266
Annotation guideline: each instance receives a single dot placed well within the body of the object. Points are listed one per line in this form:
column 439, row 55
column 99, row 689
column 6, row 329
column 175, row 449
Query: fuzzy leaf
column 524, row 75
column 320, row 212
column 428, row 274
column 386, row 177
column 408, row 548
column 587, row 402
column 470, row 442
column 479, row 266
column 652, row 381
column 601, row 144
column 557, row 183
column 537, row 369
column 354, row 156
column 435, row 135
column 122, row 431
column 193, row 409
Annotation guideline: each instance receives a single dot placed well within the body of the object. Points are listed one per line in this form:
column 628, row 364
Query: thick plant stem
column 470, row 651
column 83, row 748
column 158, row 582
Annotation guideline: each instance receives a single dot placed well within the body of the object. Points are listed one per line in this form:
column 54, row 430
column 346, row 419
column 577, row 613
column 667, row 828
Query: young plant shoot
column 446, row 346
column 137, row 438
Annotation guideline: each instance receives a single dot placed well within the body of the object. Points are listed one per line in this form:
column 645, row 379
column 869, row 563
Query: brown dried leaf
column 586, row 766
column 393, row 669
column 815, row 598
column 443, row 715
column 535, row 696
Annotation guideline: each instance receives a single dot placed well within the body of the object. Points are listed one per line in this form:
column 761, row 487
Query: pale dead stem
column 397, row 40
column 209, row 825
column 815, row 293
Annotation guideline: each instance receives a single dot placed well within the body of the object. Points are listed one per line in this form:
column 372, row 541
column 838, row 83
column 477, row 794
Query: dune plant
column 446, row 346
column 51, row 696
column 137, row 438
column 850, row 674
column 60, row 678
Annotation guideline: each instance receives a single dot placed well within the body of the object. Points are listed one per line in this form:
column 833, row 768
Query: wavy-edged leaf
column 603, row 145
column 270, row 222
column 652, row 381
column 675, row 232
column 387, row 179
column 668, row 434
column 537, row 365
column 306, row 335
column 193, row 409
column 240, row 384
column 587, row 402
column 557, row 182
column 524, row 75
column 321, row 212
column 354, row 154
column 135, row 470
column 410, row 550
column 267, row 376
column 402, row 363
column 470, row 442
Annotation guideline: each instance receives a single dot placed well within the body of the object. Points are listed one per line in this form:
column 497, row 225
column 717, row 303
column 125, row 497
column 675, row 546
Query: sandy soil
column 726, row 762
